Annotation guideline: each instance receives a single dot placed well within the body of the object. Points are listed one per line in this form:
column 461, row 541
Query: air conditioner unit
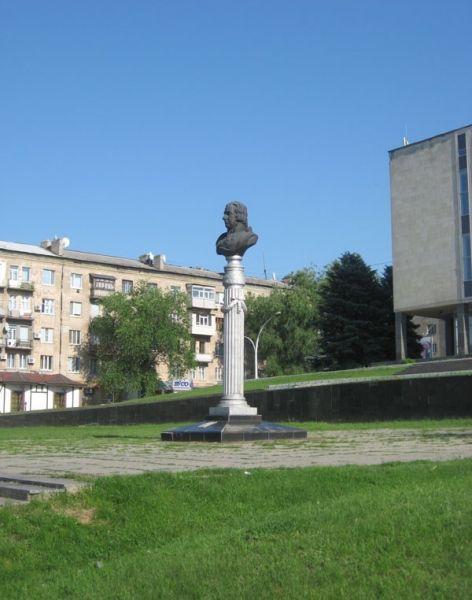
column 3, row 357
column 37, row 336
column 30, row 360
column 11, row 343
column 37, row 307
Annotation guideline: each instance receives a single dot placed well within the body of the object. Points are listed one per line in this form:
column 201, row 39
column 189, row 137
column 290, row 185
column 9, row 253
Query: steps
column 22, row 489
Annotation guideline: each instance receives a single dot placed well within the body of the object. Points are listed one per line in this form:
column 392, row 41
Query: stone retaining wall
column 382, row 399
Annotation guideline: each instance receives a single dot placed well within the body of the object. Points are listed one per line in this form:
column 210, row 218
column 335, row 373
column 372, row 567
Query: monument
column 233, row 419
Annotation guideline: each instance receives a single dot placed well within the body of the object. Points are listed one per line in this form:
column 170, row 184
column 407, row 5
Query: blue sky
column 127, row 125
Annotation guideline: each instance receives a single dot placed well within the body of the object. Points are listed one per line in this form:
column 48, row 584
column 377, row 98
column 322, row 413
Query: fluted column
column 234, row 307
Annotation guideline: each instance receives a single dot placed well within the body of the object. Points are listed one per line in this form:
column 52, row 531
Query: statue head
column 235, row 214
column 239, row 236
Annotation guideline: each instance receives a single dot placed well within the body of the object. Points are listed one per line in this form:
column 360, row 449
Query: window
column 434, row 348
column 73, row 364
column 202, row 373
column 103, row 283
column 24, row 334
column 219, row 373
column 219, row 349
column 76, row 281
column 11, row 360
column 26, row 274
column 25, row 305
column 221, row 298
column 22, row 362
column 175, row 289
column 466, row 256
column 201, row 346
column 431, row 329
column 12, row 302
column 74, row 337
column 14, row 273
column 11, row 332
column 47, row 335
column 47, row 306
column 126, row 286
column 94, row 311
column 93, row 366
column 45, row 362
column 219, row 324
column 76, row 309
column 199, row 291
column 47, row 277
column 152, row 285
column 203, row 319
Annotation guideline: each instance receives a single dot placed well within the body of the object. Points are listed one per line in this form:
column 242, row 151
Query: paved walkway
column 330, row 448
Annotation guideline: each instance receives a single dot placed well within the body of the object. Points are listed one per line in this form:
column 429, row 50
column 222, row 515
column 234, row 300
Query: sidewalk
column 329, row 448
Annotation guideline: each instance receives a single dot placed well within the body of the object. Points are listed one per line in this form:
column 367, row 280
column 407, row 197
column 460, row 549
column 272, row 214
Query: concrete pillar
column 233, row 401
column 400, row 336
column 462, row 320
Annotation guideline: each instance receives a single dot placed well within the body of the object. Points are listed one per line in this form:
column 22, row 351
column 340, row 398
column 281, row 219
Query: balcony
column 15, row 343
column 23, row 286
column 202, row 357
column 196, row 302
column 21, row 315
column 201, row 296
column 101, row 286
column 207, row 330
column 24, row 344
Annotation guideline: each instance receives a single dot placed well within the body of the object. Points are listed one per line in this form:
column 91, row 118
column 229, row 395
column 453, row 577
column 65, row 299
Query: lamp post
column 256, row 345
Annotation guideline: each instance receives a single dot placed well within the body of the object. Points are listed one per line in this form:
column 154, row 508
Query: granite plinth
column 234, row 429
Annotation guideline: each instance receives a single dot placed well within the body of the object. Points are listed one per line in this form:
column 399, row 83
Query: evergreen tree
column 351, row 316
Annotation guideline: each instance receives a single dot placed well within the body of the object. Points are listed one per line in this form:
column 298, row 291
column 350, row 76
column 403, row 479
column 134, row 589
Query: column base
column 243, row 410
column 234, row 429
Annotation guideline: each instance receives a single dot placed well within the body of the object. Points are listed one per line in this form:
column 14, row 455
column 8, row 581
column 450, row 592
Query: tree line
column 341, row 318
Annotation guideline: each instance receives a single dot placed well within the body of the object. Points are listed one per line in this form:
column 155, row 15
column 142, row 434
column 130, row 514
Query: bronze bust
column 239, row 236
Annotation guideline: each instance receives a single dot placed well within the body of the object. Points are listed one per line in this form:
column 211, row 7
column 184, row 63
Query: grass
column 262, row 384
column 72, row 439
column 395, row 531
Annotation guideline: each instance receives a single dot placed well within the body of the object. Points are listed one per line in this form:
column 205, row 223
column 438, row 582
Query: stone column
column 400, row 336
column 233, row 402
column 462, row 316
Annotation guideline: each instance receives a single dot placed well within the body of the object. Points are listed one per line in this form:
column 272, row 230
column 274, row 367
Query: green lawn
column 72, row 439
column 394, row 531
column 262, row 384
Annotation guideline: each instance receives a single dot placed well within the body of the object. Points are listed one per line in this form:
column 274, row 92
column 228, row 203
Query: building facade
column 432, row 268
column 49, row 294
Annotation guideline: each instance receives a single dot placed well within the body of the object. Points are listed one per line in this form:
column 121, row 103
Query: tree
column 414, row 347
column 137, row 332
column 351, row 316
column 290, row 339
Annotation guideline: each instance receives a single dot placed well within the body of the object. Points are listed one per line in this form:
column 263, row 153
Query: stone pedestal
column 233, row 419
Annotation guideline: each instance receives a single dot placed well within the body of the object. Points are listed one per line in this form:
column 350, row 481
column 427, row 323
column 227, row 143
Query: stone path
column 329, row 448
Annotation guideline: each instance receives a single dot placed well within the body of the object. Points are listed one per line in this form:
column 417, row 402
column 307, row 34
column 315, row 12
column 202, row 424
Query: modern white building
column 432, row 268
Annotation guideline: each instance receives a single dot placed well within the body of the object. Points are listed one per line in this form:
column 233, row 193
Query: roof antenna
column 264, row 265
column 405, row 137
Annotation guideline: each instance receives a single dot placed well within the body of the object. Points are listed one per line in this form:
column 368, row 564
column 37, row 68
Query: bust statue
column 239, row 236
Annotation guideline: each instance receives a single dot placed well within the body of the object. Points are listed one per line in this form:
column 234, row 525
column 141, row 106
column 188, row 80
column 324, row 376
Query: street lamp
column 256, row 345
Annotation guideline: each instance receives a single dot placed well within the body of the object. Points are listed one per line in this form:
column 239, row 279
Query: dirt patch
column 81, row 515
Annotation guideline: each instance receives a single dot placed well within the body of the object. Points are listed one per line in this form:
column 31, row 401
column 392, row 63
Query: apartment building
column 49, row 293
column 432, row 267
